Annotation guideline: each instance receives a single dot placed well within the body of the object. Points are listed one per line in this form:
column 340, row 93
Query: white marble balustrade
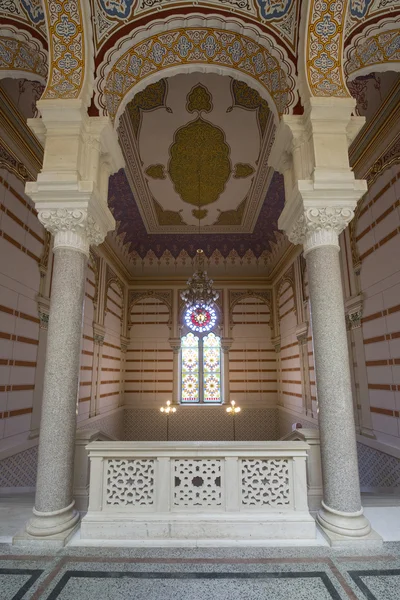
column 198, row 490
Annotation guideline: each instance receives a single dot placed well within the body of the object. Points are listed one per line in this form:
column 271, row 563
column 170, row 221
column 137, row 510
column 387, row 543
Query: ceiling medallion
column 200, row 290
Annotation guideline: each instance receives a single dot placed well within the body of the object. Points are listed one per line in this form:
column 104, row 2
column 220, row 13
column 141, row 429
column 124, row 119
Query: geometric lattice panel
column 377, row 469
column 265, row 482
column 19, row 470
column 130, row 482
column 197, row 483
column 193, row 424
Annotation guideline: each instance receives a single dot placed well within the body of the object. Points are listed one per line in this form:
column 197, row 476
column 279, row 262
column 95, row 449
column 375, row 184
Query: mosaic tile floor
column 194, row 574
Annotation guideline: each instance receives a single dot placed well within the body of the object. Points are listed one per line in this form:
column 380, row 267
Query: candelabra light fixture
column 233, row 410
column 200, row 288
column 168, row 410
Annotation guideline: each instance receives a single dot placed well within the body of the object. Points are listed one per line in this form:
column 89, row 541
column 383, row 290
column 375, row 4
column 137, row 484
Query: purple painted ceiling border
column 126, row 213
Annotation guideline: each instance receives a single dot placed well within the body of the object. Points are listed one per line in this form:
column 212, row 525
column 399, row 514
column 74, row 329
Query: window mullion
column 201, row 374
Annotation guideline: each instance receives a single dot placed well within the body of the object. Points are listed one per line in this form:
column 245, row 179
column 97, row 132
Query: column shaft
column 336, row 417
column 61, row 378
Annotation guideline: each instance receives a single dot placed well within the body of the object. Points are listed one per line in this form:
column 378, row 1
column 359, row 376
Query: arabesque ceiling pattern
column 196, row 150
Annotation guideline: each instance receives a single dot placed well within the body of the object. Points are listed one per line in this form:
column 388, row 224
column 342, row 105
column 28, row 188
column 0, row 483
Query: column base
column 50, row 528
column 346, row 525
column 58, row 540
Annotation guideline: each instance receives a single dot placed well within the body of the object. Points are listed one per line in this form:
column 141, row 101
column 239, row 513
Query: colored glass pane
column 190, row 368
column 212, row 368
column 200, row 318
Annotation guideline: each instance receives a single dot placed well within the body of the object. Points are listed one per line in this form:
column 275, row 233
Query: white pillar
column 70, row 196
column 321, row 195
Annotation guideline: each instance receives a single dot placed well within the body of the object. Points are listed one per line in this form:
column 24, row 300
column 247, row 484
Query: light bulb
column 233, row 402
column 228, row 410
column 174, row 409
column 162, row 409
column 237, row 409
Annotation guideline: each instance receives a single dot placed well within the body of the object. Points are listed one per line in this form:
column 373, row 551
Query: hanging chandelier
column 200, row 288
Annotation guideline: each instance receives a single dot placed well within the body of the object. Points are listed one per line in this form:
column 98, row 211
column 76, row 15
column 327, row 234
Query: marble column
column 70, row 196
column 341, row 510
column 321, row 195
column 54, row 508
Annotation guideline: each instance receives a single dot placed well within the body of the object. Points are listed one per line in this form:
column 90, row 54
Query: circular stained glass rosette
column 200, row 318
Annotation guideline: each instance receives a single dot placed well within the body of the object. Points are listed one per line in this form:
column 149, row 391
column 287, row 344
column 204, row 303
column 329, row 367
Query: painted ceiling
column 196, row 149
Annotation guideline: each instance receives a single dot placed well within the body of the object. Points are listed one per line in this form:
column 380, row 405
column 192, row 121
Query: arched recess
column 114, row 303
column 195, row 44
column 376, row 49
column 71, row 51
column 252, row 359
column 286, row 297
column 321, row 43
column 149, row 308
column 22, row 56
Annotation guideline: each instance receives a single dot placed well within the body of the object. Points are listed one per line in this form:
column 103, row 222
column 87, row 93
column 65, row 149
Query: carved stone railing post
column 70, row 196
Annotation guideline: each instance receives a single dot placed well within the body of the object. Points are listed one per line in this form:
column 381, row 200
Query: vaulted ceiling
column 196, row 149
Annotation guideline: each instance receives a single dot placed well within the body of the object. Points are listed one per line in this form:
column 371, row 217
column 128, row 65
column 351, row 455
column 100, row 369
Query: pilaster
column 175, row 344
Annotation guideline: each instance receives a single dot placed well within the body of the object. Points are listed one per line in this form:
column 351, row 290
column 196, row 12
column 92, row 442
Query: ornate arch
column 377, row 48
column 111, row 278
column 136, row 296
column 22, row 56
column 71, row 52
column 236, row 296
column 288, row 277
column 322, row 27
column 194, row 44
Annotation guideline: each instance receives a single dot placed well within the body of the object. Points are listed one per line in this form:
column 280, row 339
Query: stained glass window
column 201, row 368
column 212, row 368
column 190, row 368
column 200, row 318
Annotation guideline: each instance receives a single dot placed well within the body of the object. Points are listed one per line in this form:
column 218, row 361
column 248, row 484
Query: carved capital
column 276, row 341
column 124, row 343
column 302, row 334
column 72, row 228
column 43, row 311
column 354, row 312
column 98, row 338
column 44, row 320
column 226, row 344
column 353, row 319
column 320, row 226
column 175, row 344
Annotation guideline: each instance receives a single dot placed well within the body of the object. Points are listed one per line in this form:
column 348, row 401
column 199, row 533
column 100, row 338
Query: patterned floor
column 194, row 574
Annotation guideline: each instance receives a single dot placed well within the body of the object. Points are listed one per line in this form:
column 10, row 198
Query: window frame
column 201, row 335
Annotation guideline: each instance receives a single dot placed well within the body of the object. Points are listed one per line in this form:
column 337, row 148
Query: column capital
column 302, row 333
column 226, row 343
column 276, row 342
column 354, row 311
column 175, row 344
column 99, row 333
column 43, row 310
column 70, row 194
column 321, row 191
column 124, row 343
